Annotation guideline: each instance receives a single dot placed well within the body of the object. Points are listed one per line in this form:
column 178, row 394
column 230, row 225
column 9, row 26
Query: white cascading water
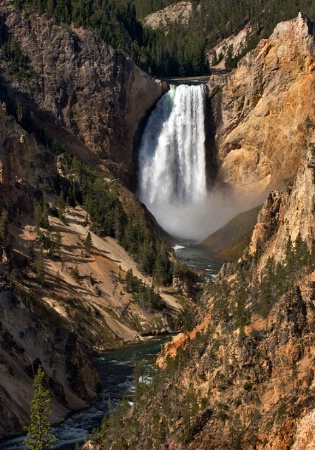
column 172, row 167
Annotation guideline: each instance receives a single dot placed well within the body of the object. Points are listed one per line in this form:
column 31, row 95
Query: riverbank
column 116, row 372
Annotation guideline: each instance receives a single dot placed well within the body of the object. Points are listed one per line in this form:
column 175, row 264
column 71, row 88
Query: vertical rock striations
column 264, row 111
column 79, row 89
column 244, row 377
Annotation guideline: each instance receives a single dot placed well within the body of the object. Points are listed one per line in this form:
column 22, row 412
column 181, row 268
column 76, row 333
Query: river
column 116, row 366
column 116, row 369
column 198, row 257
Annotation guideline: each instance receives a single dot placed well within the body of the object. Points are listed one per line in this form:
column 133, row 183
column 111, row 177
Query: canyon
column 82, row 305
column 246, row 376
column 243, row 378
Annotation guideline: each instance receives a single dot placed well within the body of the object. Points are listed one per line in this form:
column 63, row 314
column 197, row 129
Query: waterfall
column 172, row 168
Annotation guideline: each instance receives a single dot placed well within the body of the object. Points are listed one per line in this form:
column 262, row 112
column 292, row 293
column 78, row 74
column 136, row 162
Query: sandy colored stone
column 264, row 112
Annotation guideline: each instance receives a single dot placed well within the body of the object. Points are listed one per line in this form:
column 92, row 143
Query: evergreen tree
column 129, row 281
column 38, row 436
column 40, row 271
column 41, row 215
column 4, row 229
column 88, row 243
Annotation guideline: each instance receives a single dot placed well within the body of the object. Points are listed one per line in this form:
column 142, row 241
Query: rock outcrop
column 244, row 378
column 285, row 216
column 231, row 46
column 178, row 12
column 264, row 112
column 32, row 334
column 82, row 306
column 80, row 90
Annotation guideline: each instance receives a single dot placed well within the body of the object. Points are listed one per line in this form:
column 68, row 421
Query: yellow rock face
column 264, row 112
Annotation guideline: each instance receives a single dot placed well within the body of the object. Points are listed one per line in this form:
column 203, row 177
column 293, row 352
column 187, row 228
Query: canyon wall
column 83, row 92
column 81, row 305
column 243, row 378
column 32, row 334
column 264, row 112
column 71, row 93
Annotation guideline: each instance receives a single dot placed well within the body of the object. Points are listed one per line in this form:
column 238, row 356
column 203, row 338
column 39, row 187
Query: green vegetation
column 4, row 235
column 40, row 215
column 174, row 53
column 120, row 429
column 38, row 435
column 39, row 268
column 10, row 51
column 88, row 243
column 110, row 217
column 147, row 297
column 178, row 413
column 241, row 298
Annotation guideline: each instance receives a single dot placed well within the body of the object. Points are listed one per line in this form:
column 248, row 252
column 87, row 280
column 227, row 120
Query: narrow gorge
column 243, row 378
column 85, row 265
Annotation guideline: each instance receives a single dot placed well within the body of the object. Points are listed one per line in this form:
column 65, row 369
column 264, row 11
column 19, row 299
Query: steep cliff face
column 22, row 165
column 31, row 333
column 286, row 215
column 79, row 89
column 244, row 378
column 80, row 303
column 264, row 111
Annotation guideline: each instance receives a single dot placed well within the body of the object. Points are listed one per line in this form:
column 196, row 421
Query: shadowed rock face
column 251, row 387
column 264, row 111
column 80, row 89
column 32, row 335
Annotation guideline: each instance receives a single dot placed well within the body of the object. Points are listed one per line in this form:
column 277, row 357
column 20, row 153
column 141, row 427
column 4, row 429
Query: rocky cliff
column 178, row 12
column 81, row 302
column 83, row 93
column 33, row 334
column 244, row 377
column 263, row 112
column 63, row 92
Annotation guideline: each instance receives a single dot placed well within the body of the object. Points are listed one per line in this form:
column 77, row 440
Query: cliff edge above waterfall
column 263, row 112
column 84, row 93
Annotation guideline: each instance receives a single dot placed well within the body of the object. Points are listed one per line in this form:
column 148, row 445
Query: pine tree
column 38, row 436
column 129, row 281
column 39, row 268
column 88, row 243
column 4, row 239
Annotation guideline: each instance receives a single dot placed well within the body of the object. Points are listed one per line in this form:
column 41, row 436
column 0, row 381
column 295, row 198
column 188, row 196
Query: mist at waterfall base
column 172, row 167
